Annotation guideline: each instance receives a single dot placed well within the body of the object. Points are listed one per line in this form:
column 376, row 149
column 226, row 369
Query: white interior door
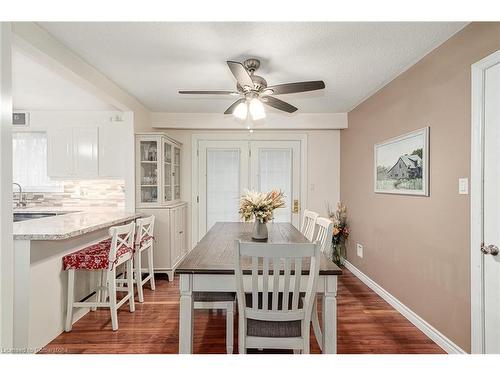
column 222, row 178
column 491, row 211
column 276, row 165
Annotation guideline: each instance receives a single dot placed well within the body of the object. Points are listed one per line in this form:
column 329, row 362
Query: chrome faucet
column 20, row 201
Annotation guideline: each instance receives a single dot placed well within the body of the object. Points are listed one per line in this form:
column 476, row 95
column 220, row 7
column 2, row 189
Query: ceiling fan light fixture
column 241, row 111
column 256, row 109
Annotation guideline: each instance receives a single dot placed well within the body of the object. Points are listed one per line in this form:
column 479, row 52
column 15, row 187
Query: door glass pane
column 223, row 186
column 275, row 172
column 149, row 171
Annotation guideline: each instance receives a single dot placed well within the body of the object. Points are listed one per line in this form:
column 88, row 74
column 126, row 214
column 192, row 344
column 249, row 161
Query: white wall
column 45, row 120
column 323, row 161
column 6, row 243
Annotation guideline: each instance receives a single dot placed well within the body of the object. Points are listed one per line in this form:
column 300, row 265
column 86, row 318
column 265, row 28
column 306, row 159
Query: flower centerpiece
column 260, row 206
column 340, row 231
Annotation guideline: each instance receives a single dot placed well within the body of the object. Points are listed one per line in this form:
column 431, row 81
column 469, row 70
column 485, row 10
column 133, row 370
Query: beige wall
column 417, row 248
column 323, row 161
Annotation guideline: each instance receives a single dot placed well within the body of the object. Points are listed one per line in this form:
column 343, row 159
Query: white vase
column 259, row 231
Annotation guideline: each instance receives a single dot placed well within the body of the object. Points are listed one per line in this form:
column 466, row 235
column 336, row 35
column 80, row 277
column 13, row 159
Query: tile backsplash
column 82, row 193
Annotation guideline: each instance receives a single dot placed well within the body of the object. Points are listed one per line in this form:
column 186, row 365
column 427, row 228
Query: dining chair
column 222, row 301
column 324, row 235
column 308, row 224
column 275, row 314
column 144, row 243
column 104, row 256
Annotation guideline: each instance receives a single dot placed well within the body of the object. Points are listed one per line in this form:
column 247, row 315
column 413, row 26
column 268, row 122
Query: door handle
column 489, row 249
column 295, row 209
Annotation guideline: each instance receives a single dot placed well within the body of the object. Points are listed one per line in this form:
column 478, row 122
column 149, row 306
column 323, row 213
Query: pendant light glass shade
column 256, row 109
column 241, row 111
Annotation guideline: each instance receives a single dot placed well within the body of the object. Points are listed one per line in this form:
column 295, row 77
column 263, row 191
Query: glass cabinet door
column 149, row 171
column 167, row 171
column 177, row 173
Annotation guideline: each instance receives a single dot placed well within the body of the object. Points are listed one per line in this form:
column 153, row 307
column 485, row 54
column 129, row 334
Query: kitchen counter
column 67, row 225
column 40, row 280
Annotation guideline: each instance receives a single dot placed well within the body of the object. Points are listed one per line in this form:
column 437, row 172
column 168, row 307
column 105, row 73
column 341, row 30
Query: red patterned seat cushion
column 144, row 241
column 93, row 257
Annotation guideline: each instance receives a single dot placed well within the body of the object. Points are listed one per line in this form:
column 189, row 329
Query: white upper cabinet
column 86, row 152
column 60, row 153
column 85, row 144
column 111, row 151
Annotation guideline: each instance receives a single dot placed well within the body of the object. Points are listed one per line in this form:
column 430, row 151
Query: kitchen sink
column 22, row 216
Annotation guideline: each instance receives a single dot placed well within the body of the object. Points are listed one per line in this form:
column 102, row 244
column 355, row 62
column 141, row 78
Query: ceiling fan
column 255, row 92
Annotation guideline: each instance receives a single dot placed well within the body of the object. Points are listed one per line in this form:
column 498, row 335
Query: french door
column 227, row 168
column 491, row 211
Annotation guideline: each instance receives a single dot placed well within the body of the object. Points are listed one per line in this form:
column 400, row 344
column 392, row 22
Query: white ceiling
column 36, row 88
column 152, row 61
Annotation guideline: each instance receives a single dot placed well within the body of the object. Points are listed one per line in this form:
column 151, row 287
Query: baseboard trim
column 445, row 343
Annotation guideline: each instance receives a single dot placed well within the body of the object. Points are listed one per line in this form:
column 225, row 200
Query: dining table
column 209, row 267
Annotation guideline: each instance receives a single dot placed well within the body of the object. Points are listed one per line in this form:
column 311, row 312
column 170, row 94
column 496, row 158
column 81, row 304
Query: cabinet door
column 111, row 151
column 60, row 153
column 85, row 146
column 177, row 173
column 176, row 235
column 167, row 172
column 148, row 176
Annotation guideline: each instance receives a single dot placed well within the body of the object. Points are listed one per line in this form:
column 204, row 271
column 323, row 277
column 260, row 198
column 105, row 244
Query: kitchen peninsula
column 40, row 282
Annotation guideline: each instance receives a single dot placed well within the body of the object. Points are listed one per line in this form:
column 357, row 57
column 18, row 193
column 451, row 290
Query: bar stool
column 103, row 256
column 144, row 242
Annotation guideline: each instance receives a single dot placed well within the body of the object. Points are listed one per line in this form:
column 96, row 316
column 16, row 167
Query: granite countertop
column 68, row 225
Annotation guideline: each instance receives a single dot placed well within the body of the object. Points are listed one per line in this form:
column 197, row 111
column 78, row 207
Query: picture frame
column 401, row 164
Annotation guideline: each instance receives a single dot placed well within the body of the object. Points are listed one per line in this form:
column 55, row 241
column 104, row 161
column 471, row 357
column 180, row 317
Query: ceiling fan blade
column 233, row 106
column 208, row 92
column 241, row 74
column 278, row 104
column 290, row 88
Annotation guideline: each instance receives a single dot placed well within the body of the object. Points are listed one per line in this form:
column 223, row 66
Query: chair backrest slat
column 255, row 282
column 276, row 283
column 284, row 284
column 121, row 235
column 296, row 286
column 308, row 224
column 324, row 233
column 145, row 227
column 265, row 283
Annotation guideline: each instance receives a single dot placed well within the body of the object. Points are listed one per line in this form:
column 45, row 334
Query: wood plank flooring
column 366, row 324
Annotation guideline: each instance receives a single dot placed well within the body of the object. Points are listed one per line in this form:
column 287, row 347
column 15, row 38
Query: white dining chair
column 275, row 314
column 308, row 224
column 144, row 243
column 220, row 301
column 324, row 235
column 104, row 256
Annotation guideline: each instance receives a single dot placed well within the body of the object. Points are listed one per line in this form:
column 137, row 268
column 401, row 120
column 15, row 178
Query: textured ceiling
column 153, row 60
column 36, row 88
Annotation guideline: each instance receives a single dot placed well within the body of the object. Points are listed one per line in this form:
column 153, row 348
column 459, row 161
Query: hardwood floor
column 366, row 324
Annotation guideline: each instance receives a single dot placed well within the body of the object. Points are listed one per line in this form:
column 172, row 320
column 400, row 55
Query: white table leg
column 330, row 316
column 186, row 314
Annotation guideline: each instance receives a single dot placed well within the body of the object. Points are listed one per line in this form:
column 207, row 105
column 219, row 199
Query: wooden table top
column 214, row 254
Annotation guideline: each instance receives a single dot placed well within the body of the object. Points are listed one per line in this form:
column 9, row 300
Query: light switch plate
column 463, row 185
column 359, row 250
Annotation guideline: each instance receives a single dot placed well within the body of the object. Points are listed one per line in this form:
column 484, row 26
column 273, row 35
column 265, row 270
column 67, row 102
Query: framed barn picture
column 402, row 164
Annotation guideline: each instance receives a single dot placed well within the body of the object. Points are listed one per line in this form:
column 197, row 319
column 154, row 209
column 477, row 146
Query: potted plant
column 260, row 206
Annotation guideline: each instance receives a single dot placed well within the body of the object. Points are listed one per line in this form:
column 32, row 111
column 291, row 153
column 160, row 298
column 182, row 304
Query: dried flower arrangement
column 260, row 205
column 340, row 231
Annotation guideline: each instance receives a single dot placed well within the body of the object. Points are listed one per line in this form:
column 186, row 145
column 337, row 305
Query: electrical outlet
column 463, row 186
column 359, row 250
